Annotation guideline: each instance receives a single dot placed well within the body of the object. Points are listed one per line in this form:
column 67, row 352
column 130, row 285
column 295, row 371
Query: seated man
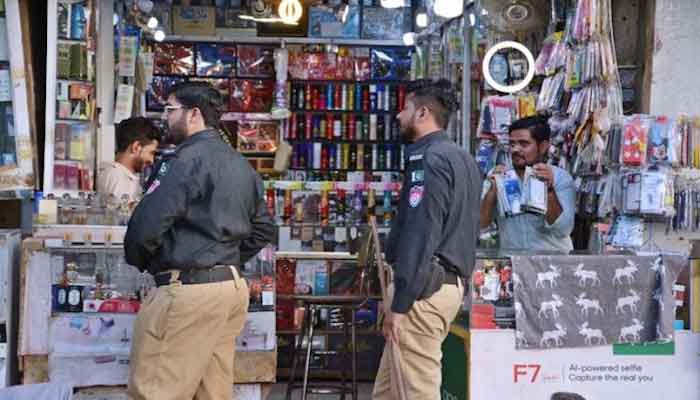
column 136, row 141
column 529, row 139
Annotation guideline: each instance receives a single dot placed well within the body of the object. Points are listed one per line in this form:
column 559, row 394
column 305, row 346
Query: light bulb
column 472, row 19
column 115, row 19
column 449, row 8
column 152, row 23
column 159, row 36
column 422, row 20
column 393, row 3
column 290, row 11
column 409, row 38
column 344, row 14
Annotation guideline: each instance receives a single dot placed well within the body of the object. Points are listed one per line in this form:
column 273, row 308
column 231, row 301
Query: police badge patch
column 415, row 196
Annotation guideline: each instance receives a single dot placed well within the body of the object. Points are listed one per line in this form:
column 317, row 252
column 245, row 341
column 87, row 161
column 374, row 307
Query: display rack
column 71, row 115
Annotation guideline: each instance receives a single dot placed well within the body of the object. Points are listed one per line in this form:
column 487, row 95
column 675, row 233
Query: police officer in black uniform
column 202, row 217
column 432, row 241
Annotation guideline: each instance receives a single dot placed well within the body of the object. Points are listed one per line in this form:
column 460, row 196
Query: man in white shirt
column 137, row 140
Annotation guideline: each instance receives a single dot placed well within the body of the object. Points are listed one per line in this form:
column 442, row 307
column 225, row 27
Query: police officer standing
column 431, row 244
column 202, row 217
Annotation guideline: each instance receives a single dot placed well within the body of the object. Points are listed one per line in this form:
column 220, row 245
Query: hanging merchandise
column 626, row 232
column 653, row 193
column 553, row 55
column 634, row 141
column 280, row 107
column 552, row 92
column 497, row 113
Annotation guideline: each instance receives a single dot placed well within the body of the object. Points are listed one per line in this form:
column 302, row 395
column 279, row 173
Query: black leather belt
column 194, row 277
column 451, row 277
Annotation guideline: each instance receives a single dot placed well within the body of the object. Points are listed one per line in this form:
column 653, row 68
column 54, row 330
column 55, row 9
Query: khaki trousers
column 421, row 335
column 184, row 340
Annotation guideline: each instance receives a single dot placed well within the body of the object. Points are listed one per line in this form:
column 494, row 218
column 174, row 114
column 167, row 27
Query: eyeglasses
column 169, row 109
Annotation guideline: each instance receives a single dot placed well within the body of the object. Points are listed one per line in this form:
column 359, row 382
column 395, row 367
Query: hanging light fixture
column 290, row 11
column 159, row 36
column 152, row 23
column 421, row 19
column 449, row 8
column 393, row 3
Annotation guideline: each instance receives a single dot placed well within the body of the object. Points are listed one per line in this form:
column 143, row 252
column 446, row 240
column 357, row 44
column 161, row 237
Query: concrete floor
column 279, row 390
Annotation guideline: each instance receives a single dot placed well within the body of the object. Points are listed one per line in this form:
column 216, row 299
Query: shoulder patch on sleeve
column 415, row 195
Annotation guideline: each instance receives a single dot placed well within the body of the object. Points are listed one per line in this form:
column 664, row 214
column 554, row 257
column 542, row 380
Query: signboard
column 597, row 373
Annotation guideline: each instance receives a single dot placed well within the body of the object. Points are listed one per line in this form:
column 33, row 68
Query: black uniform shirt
column 438, row 216
column 204, row 208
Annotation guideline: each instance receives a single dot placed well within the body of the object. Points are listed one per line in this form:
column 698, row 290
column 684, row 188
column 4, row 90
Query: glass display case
column 71, row 116
column 17, row 147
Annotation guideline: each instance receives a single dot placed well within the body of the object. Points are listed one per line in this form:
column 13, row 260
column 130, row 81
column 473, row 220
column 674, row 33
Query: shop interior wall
column 675, row 86
column 675, row 81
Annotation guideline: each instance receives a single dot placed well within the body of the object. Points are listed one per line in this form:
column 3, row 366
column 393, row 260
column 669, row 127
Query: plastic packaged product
column 255, row 62
column 251, row 95
column 634, row 140
column 216, row 60
column 173, row 59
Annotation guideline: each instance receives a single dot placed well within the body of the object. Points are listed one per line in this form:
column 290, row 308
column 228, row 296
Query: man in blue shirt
column 529, row 139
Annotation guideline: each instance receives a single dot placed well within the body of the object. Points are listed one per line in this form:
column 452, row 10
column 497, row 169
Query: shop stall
column 313, row 107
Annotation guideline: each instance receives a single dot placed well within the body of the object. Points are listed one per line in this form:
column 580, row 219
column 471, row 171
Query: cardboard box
column 91, row 334
column 191, row 20
column 258, row 334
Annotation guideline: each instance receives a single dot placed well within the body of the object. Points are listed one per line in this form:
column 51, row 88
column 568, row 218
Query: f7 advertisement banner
column 498, row 371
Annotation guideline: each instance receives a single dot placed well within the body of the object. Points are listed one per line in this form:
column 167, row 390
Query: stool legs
column 312, row 314
column 295, row 355
column 354, row 355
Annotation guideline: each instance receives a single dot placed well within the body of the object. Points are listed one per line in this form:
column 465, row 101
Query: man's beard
column 408, row 132
column 177, row 132
column 139, row 164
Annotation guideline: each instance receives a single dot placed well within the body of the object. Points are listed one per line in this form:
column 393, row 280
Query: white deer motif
column 550, row 305
column 629, row 301
column 520, row 340
column 585, row 304
column 550, row 276
column 584, row 276
column 625, row 272
column 518, row 309
column 659, row 268
column 632, row 330
column 658, row 295
column 517, row 282
column 591, row 334
column 556, row 336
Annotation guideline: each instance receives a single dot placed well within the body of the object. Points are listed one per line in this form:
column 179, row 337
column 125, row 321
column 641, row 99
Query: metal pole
column 467, row 79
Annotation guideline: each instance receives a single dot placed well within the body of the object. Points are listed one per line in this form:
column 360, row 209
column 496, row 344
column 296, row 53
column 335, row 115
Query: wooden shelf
column 376, row 112
column 360, row 82
column 338, row 140
column 222, row 38
column 331, row 332
column 312, row 255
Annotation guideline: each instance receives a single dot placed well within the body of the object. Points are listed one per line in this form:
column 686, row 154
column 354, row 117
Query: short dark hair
column 201, row 95
column 137, row 129
column 537, row 125
column 566, row 396
column 439, row 96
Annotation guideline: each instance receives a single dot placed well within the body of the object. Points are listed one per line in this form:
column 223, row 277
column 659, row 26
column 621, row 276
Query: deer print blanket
column 578, row 301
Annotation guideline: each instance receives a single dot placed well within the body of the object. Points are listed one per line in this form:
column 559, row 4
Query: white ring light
column 530, row 67
column 290, row 11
